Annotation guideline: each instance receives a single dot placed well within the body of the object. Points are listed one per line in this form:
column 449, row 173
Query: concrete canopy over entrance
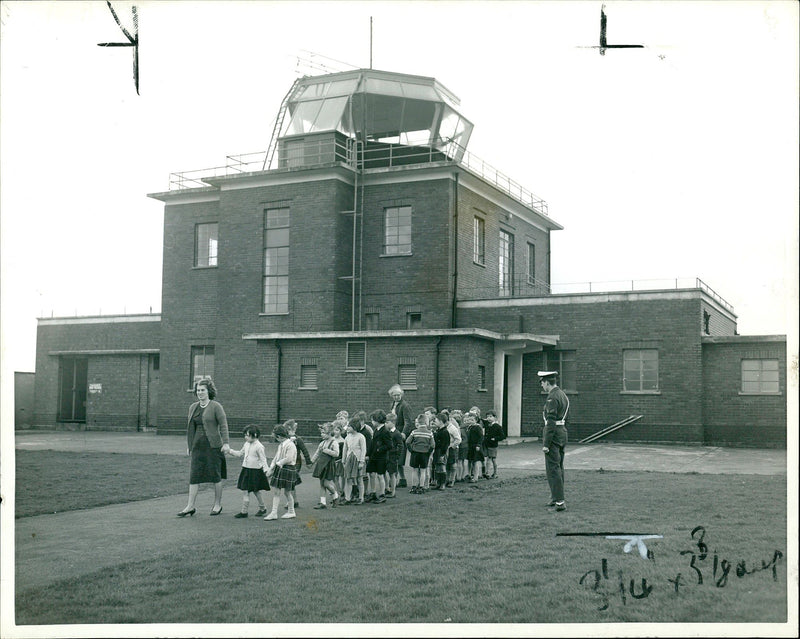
column 508, row 375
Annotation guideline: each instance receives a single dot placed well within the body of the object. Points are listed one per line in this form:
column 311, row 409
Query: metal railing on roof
column 376, row 155
column 527, row 287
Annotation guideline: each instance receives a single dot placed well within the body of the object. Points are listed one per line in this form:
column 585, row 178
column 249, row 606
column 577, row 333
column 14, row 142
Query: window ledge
column 481, row 264
column 483, row 390
column 308, row 388
column 355, row 370
column 204, row 268
column 396, row 254
column 658, row 392
column 271, row 314
column 778, row 394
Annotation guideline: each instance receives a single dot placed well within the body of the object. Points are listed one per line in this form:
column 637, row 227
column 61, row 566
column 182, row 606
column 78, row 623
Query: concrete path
column 53, row 547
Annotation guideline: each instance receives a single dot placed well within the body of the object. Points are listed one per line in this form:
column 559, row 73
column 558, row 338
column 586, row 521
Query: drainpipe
column 278, row 385
column 436, row 376
column 455, row 253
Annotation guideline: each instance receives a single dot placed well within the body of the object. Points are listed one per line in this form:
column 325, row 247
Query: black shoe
column 215, row 512
column 261, row 511
column 561, row 506
column 184, row 513
column 550, row 503
column 240, row 515
column 402, row 484
column 320, row 506
column 379, row 500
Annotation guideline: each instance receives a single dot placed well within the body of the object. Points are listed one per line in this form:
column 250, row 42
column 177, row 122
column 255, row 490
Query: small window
column 407, row 376
column 356, row 356
column 531, row 263
column 479, row 240
column 397, row 230
column 413, row 320
column 640, row 370
column 156, row 359
column 481, row 378
column 202, row 363
column 205, row 244
column 308, row 376
column 372, row 321
column 760, row 376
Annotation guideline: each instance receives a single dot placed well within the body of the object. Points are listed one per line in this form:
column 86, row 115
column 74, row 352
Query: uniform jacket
column 494, row 434
column 215, row 425
column 555, row 410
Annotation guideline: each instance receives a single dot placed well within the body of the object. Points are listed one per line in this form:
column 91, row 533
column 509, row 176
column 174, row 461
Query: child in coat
column 494, row 435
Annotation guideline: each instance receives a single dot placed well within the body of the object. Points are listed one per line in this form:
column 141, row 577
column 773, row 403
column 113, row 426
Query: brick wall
column 599, row 332
column 731, row 417
column 118, row 406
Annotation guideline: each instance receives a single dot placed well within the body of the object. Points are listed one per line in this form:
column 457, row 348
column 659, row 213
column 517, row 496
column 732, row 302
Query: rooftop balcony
column 330, row 148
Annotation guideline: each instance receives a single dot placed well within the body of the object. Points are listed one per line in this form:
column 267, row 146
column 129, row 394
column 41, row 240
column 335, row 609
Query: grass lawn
column 88, row 480
column 488, row 552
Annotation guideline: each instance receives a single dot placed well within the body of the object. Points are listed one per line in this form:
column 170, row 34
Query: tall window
column 276, row 260
column 640, row 370
column 760, row 376
column 202, row 363
column 565, row 363
column 506, row 264
column 531, row 263
column 372, row 321
column 205, row 244
column 479, row 241
column 481, row 377
column 397, row 230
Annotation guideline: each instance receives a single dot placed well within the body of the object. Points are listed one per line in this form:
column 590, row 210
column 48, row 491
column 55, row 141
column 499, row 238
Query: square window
column 565, row 362
column 413, row 321
column 640, row 370
column 372, row 321
column 760, row 376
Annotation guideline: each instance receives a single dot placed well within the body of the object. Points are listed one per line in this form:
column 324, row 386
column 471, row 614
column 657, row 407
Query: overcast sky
column 679, row 160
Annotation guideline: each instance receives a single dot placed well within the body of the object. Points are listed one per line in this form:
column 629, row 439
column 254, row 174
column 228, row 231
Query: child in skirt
column 302, row 451
column 283, row 472
column 253, row 478
column 324, row 460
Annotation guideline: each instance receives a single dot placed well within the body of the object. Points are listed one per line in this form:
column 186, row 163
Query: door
column 72, row 389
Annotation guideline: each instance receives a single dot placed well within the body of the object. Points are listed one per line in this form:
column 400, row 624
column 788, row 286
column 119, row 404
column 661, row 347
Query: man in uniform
column 554, row 436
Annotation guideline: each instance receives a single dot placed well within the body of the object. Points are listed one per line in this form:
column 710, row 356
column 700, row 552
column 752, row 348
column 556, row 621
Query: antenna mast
column 370, row 42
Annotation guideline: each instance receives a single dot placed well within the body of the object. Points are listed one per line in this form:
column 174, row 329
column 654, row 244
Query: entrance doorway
column 72, row 389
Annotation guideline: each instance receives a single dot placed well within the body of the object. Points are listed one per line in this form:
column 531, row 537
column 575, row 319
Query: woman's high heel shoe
column 215, row 512
column 183, row 513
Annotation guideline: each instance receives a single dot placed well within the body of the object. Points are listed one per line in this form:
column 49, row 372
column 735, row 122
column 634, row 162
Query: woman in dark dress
column 207, row 442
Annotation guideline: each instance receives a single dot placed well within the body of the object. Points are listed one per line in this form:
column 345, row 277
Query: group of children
column 361, row 459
